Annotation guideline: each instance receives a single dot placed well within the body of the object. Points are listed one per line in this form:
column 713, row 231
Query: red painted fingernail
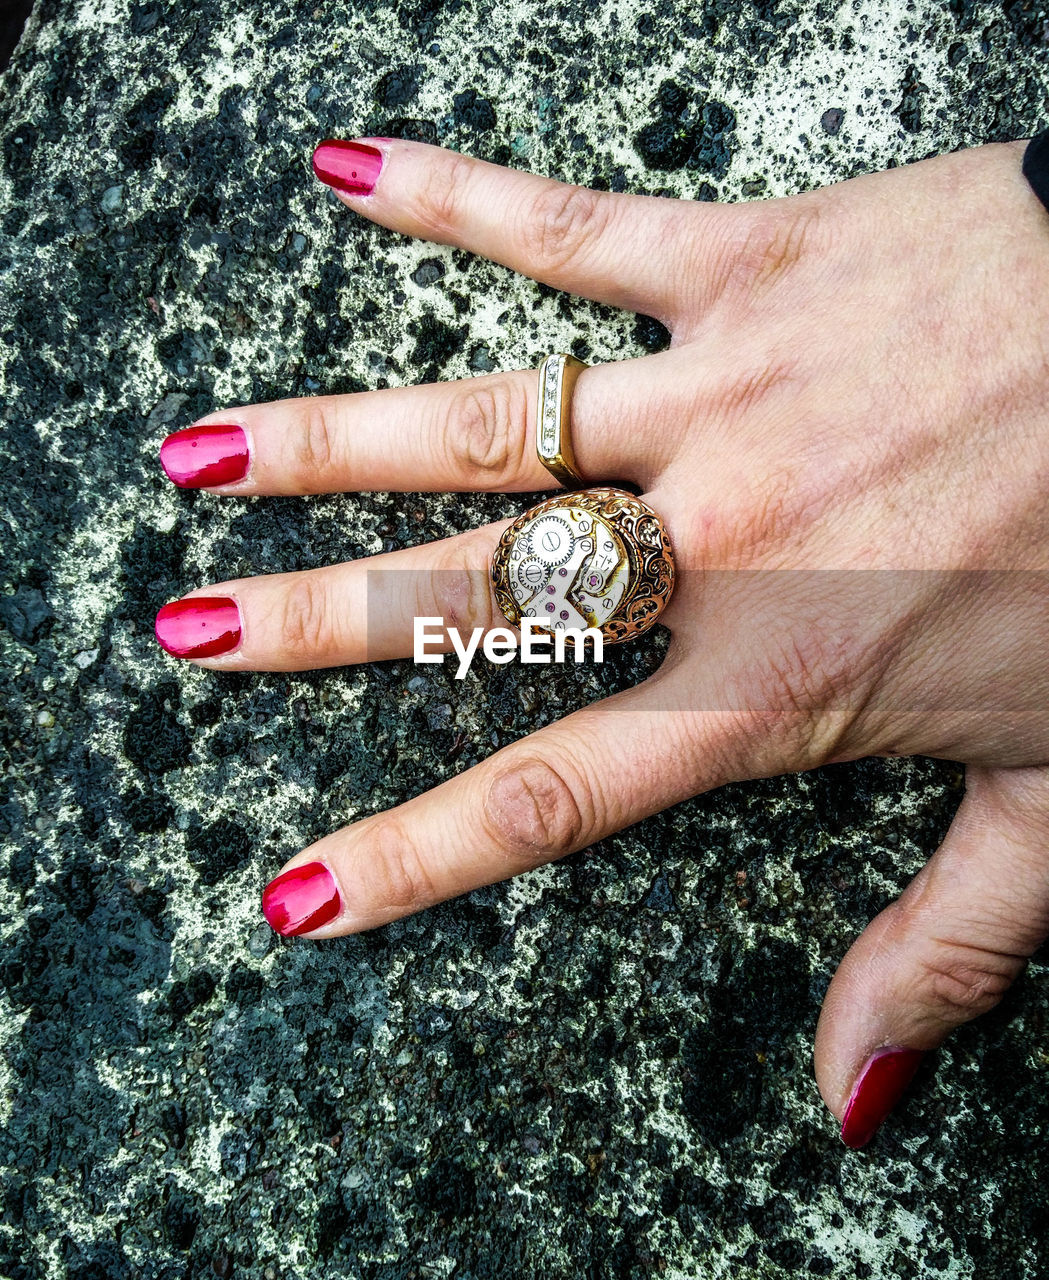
column 880, row 1085
column 199, row 627
column 301, row 899
column 352, row 167
column 201, row 456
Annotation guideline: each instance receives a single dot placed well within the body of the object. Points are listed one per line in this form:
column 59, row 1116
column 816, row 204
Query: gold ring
column 593, row 558
column 553, row 439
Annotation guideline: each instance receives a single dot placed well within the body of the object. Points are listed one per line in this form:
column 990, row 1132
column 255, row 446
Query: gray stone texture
column 604, row 1068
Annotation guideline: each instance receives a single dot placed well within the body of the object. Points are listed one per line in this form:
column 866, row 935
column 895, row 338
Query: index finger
column 626, row 250
column 564, row 787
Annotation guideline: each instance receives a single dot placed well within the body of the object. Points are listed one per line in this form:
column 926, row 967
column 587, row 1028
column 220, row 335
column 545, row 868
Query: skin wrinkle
column 789, row 241
column 706, row 255
column 462, row 592
column 315, row 455
column 445, row 190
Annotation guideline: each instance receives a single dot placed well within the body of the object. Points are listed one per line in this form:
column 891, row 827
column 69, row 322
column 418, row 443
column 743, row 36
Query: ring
column 553, row 440
column 593, row 558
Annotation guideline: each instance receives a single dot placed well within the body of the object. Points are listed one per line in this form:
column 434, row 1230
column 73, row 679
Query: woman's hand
column 848, row 441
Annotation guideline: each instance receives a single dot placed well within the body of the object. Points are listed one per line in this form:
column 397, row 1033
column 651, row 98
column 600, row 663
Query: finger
column 363, row 610
column 561, row 789
column 944, row 953
column 360, row 611
column 630, row 251
column 468, row 435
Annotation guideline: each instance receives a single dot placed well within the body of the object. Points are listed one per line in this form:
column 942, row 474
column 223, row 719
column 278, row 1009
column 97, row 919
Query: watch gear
column 551, row 540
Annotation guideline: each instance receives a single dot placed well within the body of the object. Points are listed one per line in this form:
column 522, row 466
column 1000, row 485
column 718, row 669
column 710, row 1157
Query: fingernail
column 199, row 627
column 301, row 899
column 881, row 1083
column 201, row 456
column 352, row 167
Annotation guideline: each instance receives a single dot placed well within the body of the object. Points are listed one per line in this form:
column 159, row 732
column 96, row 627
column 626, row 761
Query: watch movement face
column 568, row 569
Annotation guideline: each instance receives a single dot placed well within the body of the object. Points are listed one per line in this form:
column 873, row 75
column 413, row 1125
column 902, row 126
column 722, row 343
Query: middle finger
column 469, row 435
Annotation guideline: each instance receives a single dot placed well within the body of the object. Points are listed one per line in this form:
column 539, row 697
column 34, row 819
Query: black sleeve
column 1036, row 165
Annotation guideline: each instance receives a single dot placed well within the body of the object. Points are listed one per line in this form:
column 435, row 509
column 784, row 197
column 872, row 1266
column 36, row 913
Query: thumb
column 945, row 952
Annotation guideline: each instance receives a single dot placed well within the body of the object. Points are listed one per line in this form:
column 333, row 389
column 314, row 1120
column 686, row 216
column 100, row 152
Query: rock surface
column 603, row 1069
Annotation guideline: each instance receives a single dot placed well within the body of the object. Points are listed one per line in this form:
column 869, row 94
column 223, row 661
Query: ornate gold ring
column 594, row 558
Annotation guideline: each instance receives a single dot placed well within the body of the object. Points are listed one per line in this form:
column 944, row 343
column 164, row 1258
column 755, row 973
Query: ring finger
column 361, row 611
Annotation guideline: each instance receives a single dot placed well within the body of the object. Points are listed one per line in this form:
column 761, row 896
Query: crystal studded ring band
column 597, row 557
column 553, row 438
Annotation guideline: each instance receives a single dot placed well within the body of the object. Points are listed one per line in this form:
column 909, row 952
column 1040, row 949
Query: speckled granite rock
column 603, row 1069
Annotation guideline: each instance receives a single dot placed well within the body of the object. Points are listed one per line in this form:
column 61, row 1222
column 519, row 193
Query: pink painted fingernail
column 202, row 456
column 352, row 167
column 199, row 627
column 301, row 899
column 880, row 1086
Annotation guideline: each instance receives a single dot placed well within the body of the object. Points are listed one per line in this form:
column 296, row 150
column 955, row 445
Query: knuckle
column 801, row 702
column 406, row 883
column 746, row 390
column 485, row 433
column 777, row 238
column 440, row 200
column 307, row 622
column 562, row 220
column 462, row 592
column 753, row 526
column 315, row 443
column 768, row 523
column 784, row 715
column 770, row 517
column 534, row 814
column 957, row 981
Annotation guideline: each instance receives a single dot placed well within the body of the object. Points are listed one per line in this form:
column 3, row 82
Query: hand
column 848, row 441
